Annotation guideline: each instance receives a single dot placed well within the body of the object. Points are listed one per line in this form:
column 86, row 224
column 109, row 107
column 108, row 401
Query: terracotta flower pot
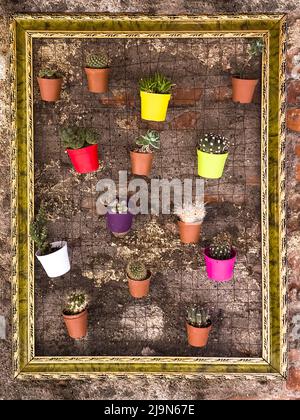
column 139, row 288
column 77, row 324
column 189, row 232
column 141, row 163
column 85, row 159
column 50, row 89
column 243, row 89
column 293, row 119
column 97, row 79
column 197, row 337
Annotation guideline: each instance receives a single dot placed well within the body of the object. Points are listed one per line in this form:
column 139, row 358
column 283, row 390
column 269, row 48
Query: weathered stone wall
column 151, row 387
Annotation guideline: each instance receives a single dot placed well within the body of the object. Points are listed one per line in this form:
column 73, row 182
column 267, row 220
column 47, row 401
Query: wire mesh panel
column 119, row 324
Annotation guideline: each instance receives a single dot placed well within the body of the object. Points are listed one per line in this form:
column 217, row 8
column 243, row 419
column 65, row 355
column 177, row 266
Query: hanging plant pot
column 154, row 106
column 243, row 89
column 85, row 159
column 141, row 163
column 211, row 165
column 139, row 288
column 57, row 263
column 119, row 223
column 189, row 232
column 50, row 89
column 219, row 270
column 293, row 119
column 77, row 324
column 197, row 337
column 97, row 79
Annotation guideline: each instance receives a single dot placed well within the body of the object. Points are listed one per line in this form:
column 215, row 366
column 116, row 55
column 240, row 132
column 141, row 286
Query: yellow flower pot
column 211, row 165
column 154, row 106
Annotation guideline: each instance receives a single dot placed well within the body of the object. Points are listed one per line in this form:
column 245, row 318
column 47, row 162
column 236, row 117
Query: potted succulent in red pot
column 50, row 82
column 190, row 218
column 198, row 326
column 138, row 279
column 75, row 315
column 142, row 156
column 243, row 82
column 118, row 218
column 220, row 258
column 52, row 255
column 212, row 154
column 82, row 148
column 97, row 71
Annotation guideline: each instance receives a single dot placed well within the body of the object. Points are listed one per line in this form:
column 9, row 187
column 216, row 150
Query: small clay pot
column 293, row 119
column 139, row 288
column 50, row 89
column 77, row 324
column 141, row 163
column 243, row 89
column 189, row 232
column 97, row 79
column 197, row 337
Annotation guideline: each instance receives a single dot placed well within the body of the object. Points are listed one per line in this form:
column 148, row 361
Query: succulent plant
column 198, row 317
column 39, row 232
column 76, row 304
column 156, row 83
column 214, row 144
column 98, row 61
column 136, row 270
column 117, row 206
column 49, row 74
column 221, row 247
column 255, row 48
column 148, row 141
column 77, row 137
column 191, row 213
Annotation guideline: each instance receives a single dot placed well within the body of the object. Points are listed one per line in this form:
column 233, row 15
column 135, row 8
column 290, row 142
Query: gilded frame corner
column 272, row 29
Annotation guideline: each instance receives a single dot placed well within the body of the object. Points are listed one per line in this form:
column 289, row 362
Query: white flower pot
column 58, row 263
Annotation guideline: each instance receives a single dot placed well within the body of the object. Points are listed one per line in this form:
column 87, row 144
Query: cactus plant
column 156, row 83
column 49, row 74
column 76, row 304
column 255, row 48
column 39, row 232
column 198, row 317
column 136, row 270
column 98, row 61
column 117, row 206
column 148, row 141
column 221, row 247
column 214, row 144
column 77, row 137
column 191, row 213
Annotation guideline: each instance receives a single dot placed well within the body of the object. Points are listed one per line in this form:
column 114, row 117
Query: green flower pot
column 211, row 165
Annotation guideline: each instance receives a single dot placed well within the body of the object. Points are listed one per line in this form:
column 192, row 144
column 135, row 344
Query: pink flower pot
column 219, row 270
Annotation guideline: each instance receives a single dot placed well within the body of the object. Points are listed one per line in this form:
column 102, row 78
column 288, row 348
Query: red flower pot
column 85, row 159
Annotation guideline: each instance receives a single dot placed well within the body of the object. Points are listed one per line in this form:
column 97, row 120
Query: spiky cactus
column 191, row 213
column 77, row 137
column 117, row 206
column 49, row 74
column 39, row 232
column 148, row 141
column 214, row 144
column 221, row 247
column 136, row 270
column 98, row 61
column 198, row 317
column 77, row 303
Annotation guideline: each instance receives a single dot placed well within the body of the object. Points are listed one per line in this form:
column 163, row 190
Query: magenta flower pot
column 219, row 270
column 119, row 222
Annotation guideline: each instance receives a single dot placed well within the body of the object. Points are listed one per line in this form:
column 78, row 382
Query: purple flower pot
column 119, row 223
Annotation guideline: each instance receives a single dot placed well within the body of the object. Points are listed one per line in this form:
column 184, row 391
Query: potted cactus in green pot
column 142, row 156
column 138, row 279
column 75, row 315
column 220, row 258
column 212, row 155
column 50, row 82
column 97, row 71
column 52, row 255
column 198, row 325
column 82, row 148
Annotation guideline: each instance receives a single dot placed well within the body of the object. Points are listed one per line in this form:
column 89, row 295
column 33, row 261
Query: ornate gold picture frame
column 271, row 28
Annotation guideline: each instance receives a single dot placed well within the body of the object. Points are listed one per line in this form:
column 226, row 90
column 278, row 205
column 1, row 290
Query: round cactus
column 98, row 61
column 221, row 247
column 136, row 270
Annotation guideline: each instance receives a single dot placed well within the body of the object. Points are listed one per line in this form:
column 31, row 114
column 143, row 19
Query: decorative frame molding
column 272, row 29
